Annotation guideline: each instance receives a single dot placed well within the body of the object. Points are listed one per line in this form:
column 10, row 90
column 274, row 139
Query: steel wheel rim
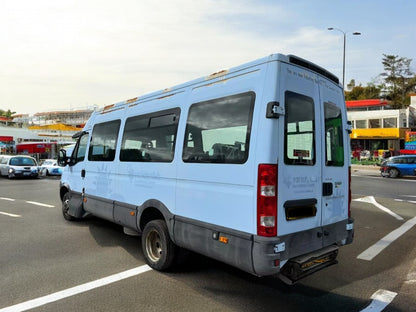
column 66, row 205
column 153, row 246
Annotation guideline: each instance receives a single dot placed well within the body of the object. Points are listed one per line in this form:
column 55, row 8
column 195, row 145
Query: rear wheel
column 159, row 250
column 393, row 173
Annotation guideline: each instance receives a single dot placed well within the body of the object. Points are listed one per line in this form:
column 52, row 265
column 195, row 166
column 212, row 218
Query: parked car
column 19, row 166
column 396, row 166
column 50, row 167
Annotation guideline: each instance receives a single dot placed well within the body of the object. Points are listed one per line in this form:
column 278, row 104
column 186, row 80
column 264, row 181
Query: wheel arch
column 64, row 188
column 154, row 209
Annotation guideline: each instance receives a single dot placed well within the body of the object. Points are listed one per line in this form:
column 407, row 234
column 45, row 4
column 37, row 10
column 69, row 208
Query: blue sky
column 60, row 55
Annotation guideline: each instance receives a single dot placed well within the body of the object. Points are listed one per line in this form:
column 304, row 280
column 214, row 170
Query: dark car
column 396, row 166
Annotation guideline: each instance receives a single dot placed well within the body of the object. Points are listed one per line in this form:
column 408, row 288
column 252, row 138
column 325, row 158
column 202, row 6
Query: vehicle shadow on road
column 109, row 234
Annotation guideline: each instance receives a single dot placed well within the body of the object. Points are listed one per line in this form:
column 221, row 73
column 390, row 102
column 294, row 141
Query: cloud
column 69, row 54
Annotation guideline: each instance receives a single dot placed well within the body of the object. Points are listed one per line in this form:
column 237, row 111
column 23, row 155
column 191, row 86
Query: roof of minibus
column 203, row 80
column 221, row 73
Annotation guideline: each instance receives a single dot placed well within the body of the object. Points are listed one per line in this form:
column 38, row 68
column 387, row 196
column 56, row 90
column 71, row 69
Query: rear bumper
column 272, row 255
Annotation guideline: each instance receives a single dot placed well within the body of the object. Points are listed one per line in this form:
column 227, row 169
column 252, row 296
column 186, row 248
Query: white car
column 50, row 167
column 19, row 166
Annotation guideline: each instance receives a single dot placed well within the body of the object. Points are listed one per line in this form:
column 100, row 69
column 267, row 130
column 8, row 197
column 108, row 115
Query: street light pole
column 355, row 33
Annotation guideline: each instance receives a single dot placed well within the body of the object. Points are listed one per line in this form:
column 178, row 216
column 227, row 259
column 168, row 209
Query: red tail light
column 267, row 200
column 349, row 192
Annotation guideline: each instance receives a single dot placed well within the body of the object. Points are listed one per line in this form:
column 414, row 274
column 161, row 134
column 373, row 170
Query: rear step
column 299, row 267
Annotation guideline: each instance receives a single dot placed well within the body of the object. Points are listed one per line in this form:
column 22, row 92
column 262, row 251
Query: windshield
column 22, row 161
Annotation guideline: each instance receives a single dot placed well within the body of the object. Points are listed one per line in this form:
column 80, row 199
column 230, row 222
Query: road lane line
column 39, row 204
column 31, row 304
column 372, row 200
column 381, row 299
column 10, row 214
column 6, row 198
column 378, row 247
column 411, row 278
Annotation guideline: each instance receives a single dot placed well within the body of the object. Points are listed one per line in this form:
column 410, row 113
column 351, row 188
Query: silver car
column 19, row 166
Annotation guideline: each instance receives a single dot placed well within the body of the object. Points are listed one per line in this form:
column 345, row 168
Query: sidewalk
column 366, row 170
column 365, row 167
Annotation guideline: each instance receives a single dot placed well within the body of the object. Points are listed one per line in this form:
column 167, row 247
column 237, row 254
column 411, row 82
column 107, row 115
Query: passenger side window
column 80, row 149
column 218, row 131
column 150, row 137
column 104, row 141
column 299, row 129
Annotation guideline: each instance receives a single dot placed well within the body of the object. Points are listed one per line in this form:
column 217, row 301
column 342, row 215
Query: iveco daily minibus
column 249, row 166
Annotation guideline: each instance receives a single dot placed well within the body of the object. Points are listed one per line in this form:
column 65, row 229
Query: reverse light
column 267, row 200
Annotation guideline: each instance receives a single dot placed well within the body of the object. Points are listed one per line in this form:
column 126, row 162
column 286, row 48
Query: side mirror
column 62, row 158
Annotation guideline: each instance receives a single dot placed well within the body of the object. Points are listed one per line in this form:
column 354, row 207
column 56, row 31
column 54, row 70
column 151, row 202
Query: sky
column 69, row 55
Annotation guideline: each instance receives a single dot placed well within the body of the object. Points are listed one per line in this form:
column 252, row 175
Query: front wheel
column 159, row 250
column 65, row 207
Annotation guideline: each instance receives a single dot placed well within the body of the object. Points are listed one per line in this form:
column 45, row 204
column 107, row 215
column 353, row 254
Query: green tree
column 7, row 114
column 371, row 91
column 399, row 80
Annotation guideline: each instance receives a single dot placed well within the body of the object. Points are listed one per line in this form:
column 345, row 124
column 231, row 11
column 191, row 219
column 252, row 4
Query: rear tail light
column 267, row 200
column 349, row 192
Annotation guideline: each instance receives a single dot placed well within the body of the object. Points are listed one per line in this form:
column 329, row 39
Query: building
column 375, row 126
column 42, row 134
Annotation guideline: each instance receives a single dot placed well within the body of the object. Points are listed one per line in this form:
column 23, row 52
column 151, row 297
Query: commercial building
column 376, row 126
column 42, row 134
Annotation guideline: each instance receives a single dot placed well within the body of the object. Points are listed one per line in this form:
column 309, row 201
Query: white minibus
column 249, row 166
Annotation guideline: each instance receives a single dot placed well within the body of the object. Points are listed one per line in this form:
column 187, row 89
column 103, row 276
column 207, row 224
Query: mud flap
column 299, row 267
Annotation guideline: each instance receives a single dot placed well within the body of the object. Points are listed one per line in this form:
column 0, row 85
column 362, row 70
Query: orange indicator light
column 223, row 239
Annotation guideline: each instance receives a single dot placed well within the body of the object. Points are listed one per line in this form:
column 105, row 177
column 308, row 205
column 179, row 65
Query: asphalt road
column 41, row 255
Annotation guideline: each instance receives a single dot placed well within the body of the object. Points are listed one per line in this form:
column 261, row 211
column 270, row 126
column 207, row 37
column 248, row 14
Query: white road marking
column 372, row 200
column 5, row 198
column 381, row 299
column 411, row 278
column 39, row 204
column 31, row 304
column 378, row 247
column 402, row 200
column 10, row 214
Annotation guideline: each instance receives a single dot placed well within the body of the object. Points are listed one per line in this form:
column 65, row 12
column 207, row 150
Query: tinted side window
column 104, row 141
column 333, row 136
column 411, row 160
column 218, row 131
column 299, row 129
column 150, row 137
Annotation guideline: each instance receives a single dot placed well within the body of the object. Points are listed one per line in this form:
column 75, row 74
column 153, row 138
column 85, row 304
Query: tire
column 65, row 207
column 158, row 249
column 394, row 173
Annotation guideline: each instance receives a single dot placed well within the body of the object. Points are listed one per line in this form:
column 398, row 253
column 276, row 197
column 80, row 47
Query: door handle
column 83, row 173
column 327, row 189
